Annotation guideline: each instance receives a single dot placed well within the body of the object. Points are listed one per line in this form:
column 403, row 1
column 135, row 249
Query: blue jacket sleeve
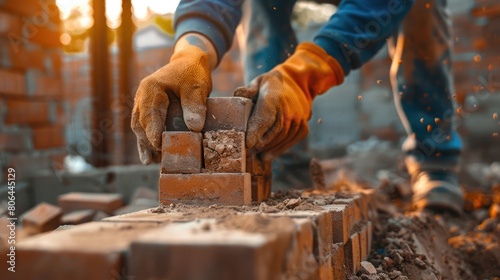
column 216, row 19
column 359, row 29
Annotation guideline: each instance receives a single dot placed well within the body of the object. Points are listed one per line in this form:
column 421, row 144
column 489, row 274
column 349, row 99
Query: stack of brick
column 212, row 166
column 31, row 108
column 323, row 242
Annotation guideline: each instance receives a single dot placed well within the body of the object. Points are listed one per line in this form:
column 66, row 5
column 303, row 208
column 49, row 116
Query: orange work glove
column 283, row 99
column 187, row 76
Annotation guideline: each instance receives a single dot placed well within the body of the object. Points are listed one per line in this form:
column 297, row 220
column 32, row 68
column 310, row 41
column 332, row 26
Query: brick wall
column 32, row 119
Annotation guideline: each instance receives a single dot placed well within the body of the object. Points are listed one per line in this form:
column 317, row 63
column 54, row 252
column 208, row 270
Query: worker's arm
column 186, row 76
column 359, row 29
column 204, row 31
column 283, row 96
column 215, row 19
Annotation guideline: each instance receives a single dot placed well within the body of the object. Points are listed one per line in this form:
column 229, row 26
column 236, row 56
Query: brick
column 28, row 112
column 369, row 236
column 43, row 85
column 187, row 251
column 46, row 137
column 15, row 141
column 205, row 188
column 323, row 235
column 106, row 202
column 12, row 83
column 351, row 211
column 175, row 119
column 261, row 177
column 363, row 242
column 148, row 216
column 42, row 218
column 338, row 261
column 90, row 251
column 223, row 113
column 300, row 260
column 224, row 151
column 340, row 222
column 227, row 113
column 352, row 254
column 77, row 217
column 181, row 152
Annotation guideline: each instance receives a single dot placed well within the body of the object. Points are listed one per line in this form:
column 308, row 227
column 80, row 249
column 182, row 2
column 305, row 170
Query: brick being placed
column 42, row 218
column 205, row 189
column 223, row 113
column 224, row 151
column 181, row 152
column 106, row 202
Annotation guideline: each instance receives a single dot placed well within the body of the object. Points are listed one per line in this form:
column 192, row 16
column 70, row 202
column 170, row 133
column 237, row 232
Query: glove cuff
column 323, row 57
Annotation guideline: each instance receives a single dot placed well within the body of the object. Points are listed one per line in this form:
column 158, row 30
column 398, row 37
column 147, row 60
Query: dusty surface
column 224, row 151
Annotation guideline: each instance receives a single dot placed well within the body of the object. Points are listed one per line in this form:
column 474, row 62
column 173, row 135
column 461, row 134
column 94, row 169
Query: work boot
column 438, row 191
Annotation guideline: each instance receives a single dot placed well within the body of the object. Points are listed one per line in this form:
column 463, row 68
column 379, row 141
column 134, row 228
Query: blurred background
column 69, row 70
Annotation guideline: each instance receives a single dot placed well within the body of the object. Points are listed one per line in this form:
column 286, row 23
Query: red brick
column 338, row 261
column 14, row 141
column 46, row 137
column 77, row 217
column 353, row 214
column 44, row 217
column 224, row 113
column 12, row 83
column 352, row 254
column 261, row 177
column 205, row 188
column 27, row 112
column 187, row 251
column 323, row 236
column 224, row 151
column 181, row 152
column 364, row 240
column 340, row 222
column 42, row 85
column 90, row 251
column 106, row 202
column 300, row 259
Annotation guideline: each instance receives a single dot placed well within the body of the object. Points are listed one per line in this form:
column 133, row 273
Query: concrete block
column 106, row 202
column 224, row 151
column 42, row 218
column 205, row 188
column 77, row 217
column 200, row 250
column 224, row 113
column 90, row 251
column 181, row 152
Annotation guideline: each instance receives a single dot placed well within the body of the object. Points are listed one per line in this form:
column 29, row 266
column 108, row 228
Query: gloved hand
column 283, row 99
column 187, row 76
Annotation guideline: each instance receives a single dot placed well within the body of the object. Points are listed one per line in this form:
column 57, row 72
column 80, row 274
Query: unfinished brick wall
column 32, row 120
column 212, row 166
